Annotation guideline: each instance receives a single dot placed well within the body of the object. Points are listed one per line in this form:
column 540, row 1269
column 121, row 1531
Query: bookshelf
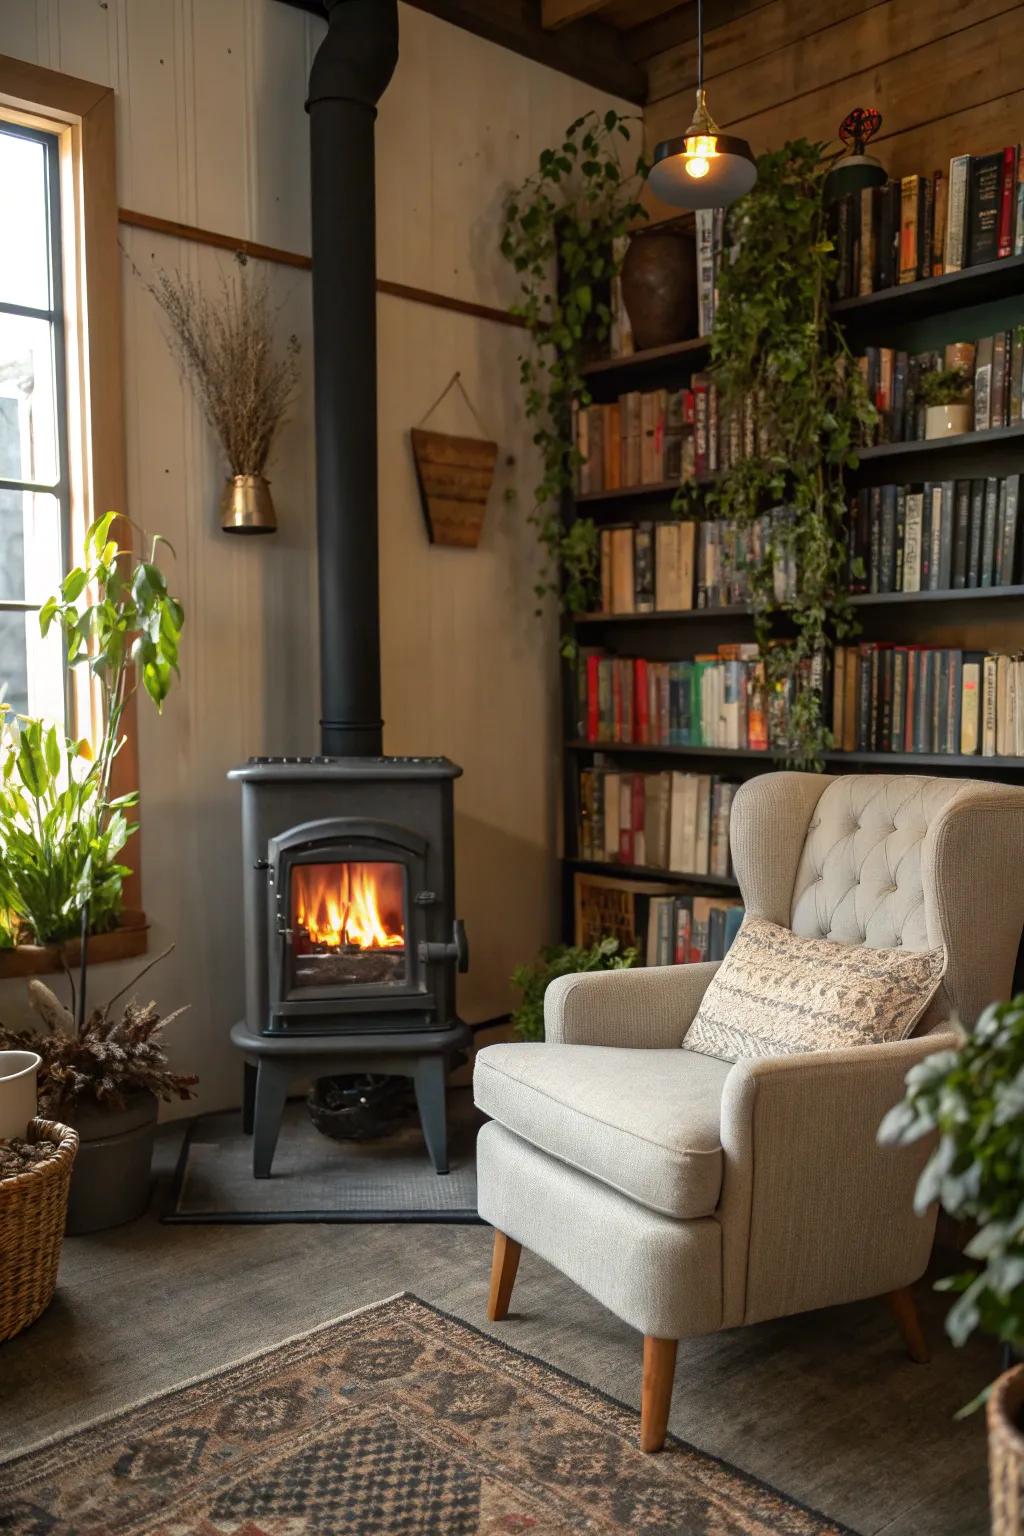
column 914, row 316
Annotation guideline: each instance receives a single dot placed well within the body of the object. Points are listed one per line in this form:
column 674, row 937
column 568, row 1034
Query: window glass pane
column 30, row 545
column 24, row 249
column 31, row 669
column 28, row 423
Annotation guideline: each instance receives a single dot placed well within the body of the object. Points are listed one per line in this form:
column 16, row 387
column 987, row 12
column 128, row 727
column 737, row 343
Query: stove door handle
column 457, row 950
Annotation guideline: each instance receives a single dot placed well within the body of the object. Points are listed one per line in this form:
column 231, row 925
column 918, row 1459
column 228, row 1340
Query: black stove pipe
column 350, row 74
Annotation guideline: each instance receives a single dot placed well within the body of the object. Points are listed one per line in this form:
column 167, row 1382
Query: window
column 62, row 459
column 34, row 478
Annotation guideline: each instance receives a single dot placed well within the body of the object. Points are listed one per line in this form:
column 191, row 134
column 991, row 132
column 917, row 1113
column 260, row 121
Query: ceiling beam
column 561, row 13
column 588, row 50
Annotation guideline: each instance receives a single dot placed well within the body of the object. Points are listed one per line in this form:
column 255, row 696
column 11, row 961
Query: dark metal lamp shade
column 726, row 173
column 854, row 173
column 703, row 167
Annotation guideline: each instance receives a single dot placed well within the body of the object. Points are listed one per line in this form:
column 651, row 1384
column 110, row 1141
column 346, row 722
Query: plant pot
column 659, row 285
column 18, row 1071
column 947, row 420
column 121, row 943
column 1005, row 1416
column 246, row 505
column 111, row 1178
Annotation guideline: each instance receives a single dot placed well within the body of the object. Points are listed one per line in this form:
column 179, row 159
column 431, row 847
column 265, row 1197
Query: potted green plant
column 778, row 350
column 563, row 233
column 61, row 834
column 972, row 1099
column 946, row 393
column 533, row 980
column 103, row 1075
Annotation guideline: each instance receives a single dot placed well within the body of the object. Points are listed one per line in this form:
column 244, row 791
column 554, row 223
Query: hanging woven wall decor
column 454, row 476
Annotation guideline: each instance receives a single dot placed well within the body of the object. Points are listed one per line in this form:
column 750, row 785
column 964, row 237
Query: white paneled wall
column 212, row 132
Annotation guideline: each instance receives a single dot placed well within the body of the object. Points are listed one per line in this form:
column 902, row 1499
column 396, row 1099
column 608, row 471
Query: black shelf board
column 652, row 358
column 984, row 284
column 948, row 595
column 857, row 600
column 636, row 492
column 643, row 746
column 992, row 437
column 887, row 759
column 647, row 872
column 667, row 615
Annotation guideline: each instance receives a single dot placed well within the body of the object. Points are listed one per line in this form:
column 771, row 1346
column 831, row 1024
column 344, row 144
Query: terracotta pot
column 1006, row 1453
column 111, row 1177
column 659, row 285
column 947, row 420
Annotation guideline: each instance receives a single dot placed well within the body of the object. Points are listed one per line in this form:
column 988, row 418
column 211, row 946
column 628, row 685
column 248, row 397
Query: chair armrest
column 814, row 1212
column 653, row 1006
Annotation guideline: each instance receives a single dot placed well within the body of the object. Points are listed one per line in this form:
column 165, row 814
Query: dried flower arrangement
column 104, row 1058
column 226, row 349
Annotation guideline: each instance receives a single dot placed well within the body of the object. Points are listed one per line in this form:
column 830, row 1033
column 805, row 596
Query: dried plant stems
column 226, row 348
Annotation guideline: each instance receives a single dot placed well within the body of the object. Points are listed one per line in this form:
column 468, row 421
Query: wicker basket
column 32, row 1210
column 1006, row 1453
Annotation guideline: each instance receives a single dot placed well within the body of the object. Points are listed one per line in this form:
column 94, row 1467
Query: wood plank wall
column 944, row 74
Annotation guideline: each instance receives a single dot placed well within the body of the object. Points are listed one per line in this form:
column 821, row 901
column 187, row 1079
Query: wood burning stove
column 349, row 894
column 351, row 939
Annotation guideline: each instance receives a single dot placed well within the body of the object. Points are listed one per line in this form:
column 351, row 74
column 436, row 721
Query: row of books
column 924, row 226
column 940, row 536
column 684, row 930
column 714, row 700
column 671, row 821
column 993, row 367
column 654, row 436
column 672, row 566
column 914, row 698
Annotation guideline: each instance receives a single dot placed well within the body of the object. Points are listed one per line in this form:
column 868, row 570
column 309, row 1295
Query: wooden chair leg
column 656, row 1396
column 504, row 1263
column 904, row 1311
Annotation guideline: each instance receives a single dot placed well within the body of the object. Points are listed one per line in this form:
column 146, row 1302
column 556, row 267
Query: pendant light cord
column 700, row 45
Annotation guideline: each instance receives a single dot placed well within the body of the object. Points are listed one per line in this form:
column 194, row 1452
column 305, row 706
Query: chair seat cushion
column 645, row 1122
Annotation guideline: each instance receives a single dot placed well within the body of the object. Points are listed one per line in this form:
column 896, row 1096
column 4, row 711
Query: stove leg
column 248, row 1097
column 272, row 1080
column 431, row 1078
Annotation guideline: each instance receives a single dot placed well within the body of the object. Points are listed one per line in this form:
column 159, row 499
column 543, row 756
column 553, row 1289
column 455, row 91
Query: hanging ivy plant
column 776, row 344
column 559, row 232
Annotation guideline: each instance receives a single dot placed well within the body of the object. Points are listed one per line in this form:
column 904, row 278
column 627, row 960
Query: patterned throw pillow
column 775, row 993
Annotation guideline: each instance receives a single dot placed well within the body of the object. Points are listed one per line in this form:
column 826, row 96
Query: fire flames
column 353, row 905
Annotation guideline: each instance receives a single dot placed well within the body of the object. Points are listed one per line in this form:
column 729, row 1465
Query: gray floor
column 825, row 1407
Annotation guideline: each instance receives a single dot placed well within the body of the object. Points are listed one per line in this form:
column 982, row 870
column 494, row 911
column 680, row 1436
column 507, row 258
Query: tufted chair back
column 889, row 860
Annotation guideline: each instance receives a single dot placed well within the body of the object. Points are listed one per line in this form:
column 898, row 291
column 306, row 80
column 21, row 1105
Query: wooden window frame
column 82, row 115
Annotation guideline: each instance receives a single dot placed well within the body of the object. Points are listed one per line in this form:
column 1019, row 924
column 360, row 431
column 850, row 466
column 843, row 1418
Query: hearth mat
column 317, row 1179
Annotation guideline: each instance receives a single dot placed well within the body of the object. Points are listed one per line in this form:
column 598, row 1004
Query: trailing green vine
column 775, row 343
column 559, row 232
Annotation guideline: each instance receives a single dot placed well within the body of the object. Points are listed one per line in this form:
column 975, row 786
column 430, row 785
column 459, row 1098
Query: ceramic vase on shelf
column 246, row 505
column 18, row 1072
column 947, row 420
column 659, row 285
column 1005, row 1415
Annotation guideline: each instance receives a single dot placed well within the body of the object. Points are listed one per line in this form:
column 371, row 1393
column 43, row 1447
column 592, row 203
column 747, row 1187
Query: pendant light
column 855, row 170
column 703, row 168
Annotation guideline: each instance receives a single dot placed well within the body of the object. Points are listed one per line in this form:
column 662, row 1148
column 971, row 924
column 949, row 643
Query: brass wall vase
column 246, row 505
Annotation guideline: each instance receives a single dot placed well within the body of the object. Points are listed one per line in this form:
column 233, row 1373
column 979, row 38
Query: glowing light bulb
column 696, row 166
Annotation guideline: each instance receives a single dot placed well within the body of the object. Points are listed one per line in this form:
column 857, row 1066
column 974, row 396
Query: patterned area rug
column 395, row 1421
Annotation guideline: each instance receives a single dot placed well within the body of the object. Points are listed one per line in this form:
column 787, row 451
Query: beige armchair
column 689, row 1194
